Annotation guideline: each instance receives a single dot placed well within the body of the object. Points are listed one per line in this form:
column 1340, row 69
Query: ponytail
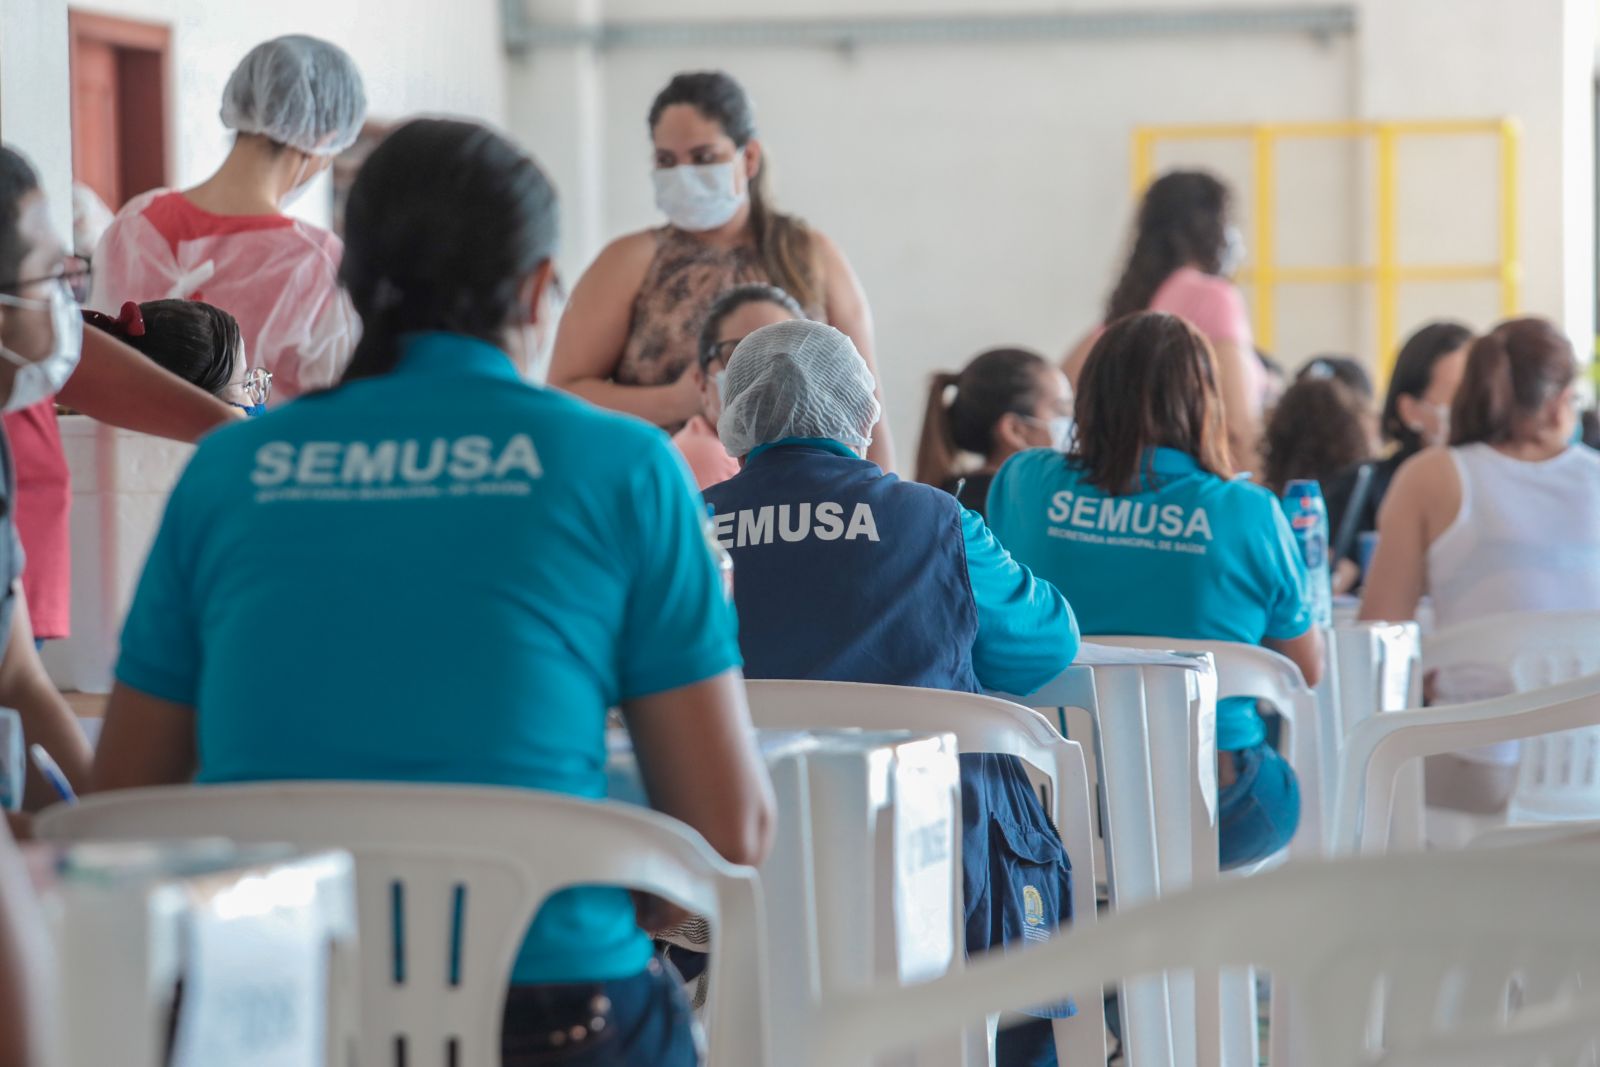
column 937, row 451
column 997, row 383
column 378, row 351
column 1512, row 372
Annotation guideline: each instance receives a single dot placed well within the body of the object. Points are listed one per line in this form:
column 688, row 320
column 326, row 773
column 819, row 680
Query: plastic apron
column 278, row 276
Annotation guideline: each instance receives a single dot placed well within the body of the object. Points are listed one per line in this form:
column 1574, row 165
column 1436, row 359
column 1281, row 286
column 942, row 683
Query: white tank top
column 1527, row 538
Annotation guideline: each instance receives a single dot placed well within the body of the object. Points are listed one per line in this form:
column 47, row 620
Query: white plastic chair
column 1253, row 671
column 1379, row 748
column 1306, row 732
column 1394, row 952
column 1558, row 775
column 980, row 724
column 1153, row 727
column 448, row 880
column 261, row 924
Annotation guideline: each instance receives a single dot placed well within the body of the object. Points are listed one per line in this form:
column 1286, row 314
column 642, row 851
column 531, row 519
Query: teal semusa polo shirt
column 439, row 575
column 1190, row 556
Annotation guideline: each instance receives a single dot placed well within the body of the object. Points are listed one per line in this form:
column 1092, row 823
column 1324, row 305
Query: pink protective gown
column 277, row 275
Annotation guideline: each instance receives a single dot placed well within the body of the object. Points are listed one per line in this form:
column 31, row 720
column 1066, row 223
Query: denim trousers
column 1258, row 813
column 643, row 1021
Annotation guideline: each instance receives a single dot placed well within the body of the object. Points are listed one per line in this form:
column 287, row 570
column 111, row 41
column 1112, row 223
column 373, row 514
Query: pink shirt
column 708, row 460
column 1210, row 303
column 1215, row 308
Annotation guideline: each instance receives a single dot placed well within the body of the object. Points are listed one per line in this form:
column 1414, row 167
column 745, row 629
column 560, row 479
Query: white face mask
column 1440, row 434
column 700, row 198
column 538, row 339
column 720, row 380
column 38, row 380
column 1063, row 430
column 1233, row 252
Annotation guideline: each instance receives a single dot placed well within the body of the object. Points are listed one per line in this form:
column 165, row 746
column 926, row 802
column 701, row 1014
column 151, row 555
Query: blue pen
column 52, row 771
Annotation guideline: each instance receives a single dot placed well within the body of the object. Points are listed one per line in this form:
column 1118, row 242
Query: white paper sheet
column 255, row 986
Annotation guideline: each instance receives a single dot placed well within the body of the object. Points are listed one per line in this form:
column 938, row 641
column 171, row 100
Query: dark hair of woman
column 1412, row 373
column 1183, row 221
column 1318, row 430
column 17, row 180
column 1346, row 370
column 733, row 300
column 445, row 222
column 964, row 408
column 1512, row 373
column 784, row 242
column 1149, row 382
column 198, row 342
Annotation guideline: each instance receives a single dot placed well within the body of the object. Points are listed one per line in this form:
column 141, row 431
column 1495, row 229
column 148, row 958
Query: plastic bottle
column 1308, row 518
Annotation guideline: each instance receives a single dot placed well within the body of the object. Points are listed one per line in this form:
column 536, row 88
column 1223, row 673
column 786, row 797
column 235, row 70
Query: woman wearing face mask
column 628, row 341
column 41, row 333
column 1005, row 401
column 736, row 314
column 295, row 103
column 1416, row 415
column 1185, row 248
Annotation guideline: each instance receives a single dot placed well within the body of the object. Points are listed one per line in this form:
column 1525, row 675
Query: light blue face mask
column 250, row 410
column 720, row 380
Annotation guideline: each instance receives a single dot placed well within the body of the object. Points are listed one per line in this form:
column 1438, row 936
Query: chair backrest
column 1558, row 775
column 1375, row 667
column 980, row 724
column 448, row 880
column 1253, row 671
column 1154, row 740
column 1396, row 958
column 1377, row 749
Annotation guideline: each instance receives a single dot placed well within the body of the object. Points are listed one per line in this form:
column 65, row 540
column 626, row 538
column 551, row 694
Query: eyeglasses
column 257, row 386
column 75, row 274
column 723, row 350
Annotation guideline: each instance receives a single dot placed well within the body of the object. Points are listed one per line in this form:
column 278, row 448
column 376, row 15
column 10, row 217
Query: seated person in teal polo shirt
column 1145, row 529
column 436, row 572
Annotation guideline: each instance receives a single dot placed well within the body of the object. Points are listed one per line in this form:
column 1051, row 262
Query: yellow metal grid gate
column 1264, row 274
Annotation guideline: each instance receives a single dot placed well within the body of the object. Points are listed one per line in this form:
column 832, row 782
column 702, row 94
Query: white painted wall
column 33, row 53
column 414, row 56
column 982, row 191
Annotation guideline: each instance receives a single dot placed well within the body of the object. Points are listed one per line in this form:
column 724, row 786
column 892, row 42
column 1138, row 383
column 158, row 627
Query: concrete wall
column 414, row 55
column 33, row 53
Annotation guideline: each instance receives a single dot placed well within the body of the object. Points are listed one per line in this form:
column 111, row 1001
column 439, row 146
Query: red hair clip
column 131, row 321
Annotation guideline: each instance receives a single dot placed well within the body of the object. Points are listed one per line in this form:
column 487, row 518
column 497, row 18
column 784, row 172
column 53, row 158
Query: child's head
column 198, row 342
column 1320, row 428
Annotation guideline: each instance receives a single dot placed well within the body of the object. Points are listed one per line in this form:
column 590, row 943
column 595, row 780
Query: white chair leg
column 1241, row 1041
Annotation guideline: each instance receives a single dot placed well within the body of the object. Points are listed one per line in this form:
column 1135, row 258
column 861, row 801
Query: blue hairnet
column 299, row 91
column 796, row 379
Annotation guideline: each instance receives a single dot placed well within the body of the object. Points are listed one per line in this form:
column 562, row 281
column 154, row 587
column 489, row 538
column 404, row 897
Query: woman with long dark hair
column 1145, row 530
column 1503, row 519
column 628, row 339
column 1185, row 248
column 460, row 572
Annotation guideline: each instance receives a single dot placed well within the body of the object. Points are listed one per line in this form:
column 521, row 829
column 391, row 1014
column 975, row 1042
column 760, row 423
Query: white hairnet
column 298, row 91
column 796, row 379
